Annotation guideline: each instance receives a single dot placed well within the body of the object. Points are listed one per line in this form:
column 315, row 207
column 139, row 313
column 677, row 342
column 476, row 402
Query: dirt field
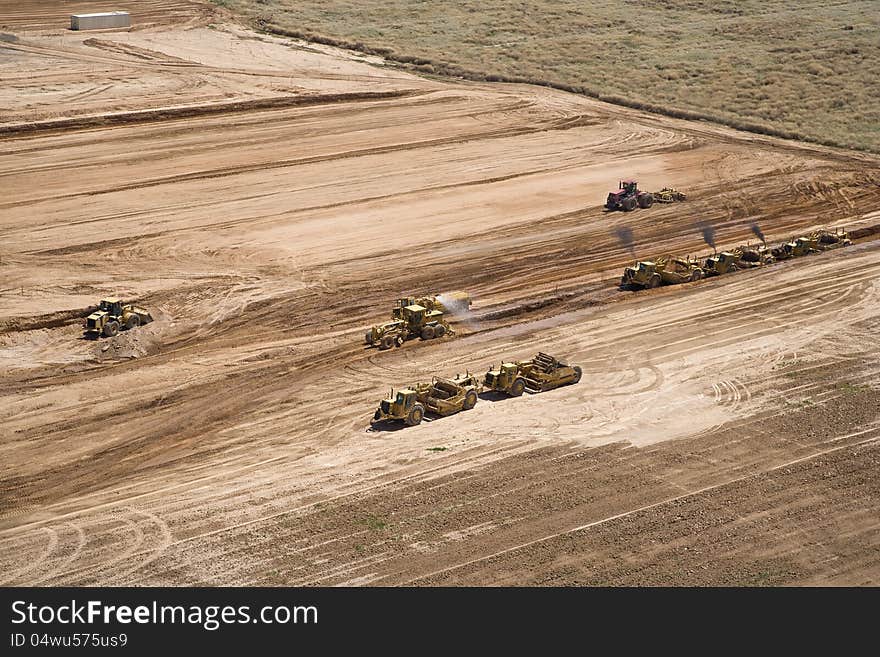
column 268, row 200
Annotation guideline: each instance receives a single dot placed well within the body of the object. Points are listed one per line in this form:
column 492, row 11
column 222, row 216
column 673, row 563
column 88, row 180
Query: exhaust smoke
column 757, row 231
column 708, row 231
column 625, row 235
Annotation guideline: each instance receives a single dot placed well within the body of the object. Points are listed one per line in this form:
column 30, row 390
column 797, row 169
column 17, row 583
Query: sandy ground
column 268, row 200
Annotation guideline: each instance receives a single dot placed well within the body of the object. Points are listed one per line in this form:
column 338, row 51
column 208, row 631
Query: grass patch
column 801, row 70
column 437, row 449
column 852, row 388
column 375, row 523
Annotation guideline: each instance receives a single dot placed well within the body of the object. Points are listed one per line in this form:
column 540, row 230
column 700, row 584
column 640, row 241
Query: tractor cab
column 805, row 245
column 640, row 273
column 414, row 314
column 508, row 372
column 404, row 399
column 501, row 378
column 721, row 263
column 111, row 305
column 628, row 187
column 396, row 407
column 625, row 188
column 417, row 316
column 398, row 404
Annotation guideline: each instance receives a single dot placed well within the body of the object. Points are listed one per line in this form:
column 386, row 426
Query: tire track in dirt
column 667, row 501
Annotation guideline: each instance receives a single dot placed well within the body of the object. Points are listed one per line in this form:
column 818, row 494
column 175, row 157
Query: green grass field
column 806, row 68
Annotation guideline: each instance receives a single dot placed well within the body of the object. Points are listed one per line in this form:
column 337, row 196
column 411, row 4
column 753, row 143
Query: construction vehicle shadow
column 493, row 395
column 386, row 427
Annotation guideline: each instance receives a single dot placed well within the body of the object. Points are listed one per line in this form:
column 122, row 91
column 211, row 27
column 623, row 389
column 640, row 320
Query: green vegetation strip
column 804, row 70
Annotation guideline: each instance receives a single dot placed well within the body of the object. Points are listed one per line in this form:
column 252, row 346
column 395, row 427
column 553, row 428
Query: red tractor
column 628, row 196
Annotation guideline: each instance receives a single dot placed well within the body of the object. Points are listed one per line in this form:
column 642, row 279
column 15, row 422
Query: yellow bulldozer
column 114, row 315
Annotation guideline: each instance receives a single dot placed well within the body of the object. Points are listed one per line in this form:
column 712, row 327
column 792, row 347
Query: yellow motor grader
column 418, row 317
column 112, row 315
column 413, row 321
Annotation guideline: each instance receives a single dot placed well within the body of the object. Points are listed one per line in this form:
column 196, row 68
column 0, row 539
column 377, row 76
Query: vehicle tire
column 111, row 328
column 377, row 415
column 387, row 342
column 439, row 331
column 470, row 400
column 624, row 284
column 628, row 204
column 133, row 321
column 427, row 333
column 646, row 200
column 416, row 413
column 368, row 338
column 518, row 387
column 696, row 275
column 577, row 373
column 655, row 281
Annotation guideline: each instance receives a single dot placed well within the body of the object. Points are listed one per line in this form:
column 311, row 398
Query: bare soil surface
column 268, row 200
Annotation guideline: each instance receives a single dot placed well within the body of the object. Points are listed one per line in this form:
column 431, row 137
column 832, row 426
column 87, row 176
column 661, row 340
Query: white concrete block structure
column 101, row 21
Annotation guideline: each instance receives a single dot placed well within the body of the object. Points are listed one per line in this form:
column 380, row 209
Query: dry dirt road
column 269, row 199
